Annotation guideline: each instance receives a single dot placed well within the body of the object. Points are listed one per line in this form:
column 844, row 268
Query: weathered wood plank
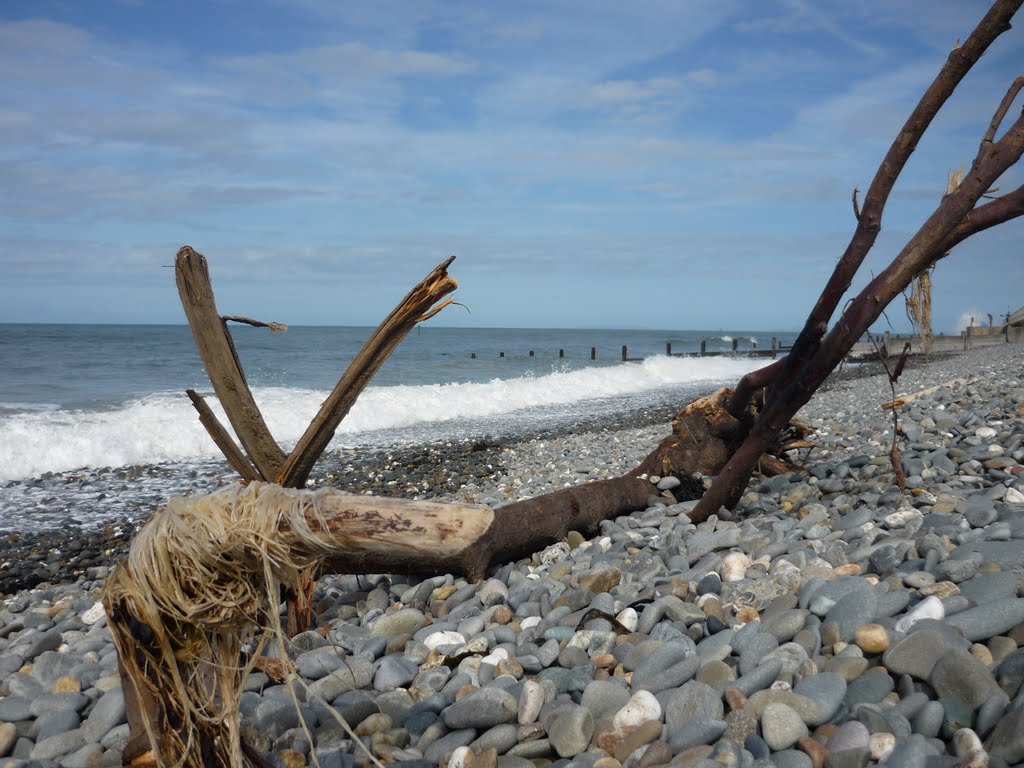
column 218, row 353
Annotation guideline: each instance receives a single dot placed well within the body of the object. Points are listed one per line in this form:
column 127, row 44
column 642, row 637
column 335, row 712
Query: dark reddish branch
column 931, row 242
column 1004, row 208
column 750, row 384
column 869, row 218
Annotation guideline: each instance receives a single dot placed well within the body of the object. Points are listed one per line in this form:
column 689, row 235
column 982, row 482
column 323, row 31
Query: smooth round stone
column 919, row 579
column 711, row 584
column 791, row 758
column 406, row 621
column 781, row 727
column 1007, row 740
column 394, row 672
column 692, row 700
column 827, row 690
column 851, row 735
column 917, row 653
column 785, row 624
column 928, row 721
column 868, row 689
column 641, row 708
column 802, row 705
column 715, row 672
column 484, row 708
column 759, row 646
column 669, row 666
column 696, row 732
column 872, row 638
column 989, row 619
column 570, row 729
column 989, row 714
column 604, row 698
column 847, row 667
column 959, row 675
column 531, row 699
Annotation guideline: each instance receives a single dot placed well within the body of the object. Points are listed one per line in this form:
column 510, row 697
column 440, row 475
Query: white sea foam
column 163, row 427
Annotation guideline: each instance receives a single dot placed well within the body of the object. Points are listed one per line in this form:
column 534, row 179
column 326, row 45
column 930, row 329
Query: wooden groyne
column 774, row 351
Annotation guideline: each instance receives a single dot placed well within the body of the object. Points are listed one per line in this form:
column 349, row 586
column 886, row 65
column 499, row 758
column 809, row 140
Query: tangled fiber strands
column 202, row 579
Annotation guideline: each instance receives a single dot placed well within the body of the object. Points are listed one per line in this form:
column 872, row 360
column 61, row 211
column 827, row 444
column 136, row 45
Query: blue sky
column 664, row 164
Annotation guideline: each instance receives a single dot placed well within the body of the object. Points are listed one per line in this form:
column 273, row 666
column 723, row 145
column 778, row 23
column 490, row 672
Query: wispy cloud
column 587, row 144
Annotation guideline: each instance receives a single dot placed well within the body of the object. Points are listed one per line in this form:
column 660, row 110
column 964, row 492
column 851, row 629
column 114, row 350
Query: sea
column 81, row 403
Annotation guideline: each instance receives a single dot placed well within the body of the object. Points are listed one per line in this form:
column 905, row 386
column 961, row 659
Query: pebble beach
column 830, row 620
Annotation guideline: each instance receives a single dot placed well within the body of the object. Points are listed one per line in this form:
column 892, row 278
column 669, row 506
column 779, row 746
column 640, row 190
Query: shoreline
column 65, row 553
column 831, row 617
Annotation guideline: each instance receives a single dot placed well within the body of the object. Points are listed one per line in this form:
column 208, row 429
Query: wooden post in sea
column 703, row 347
column 501, row 354
column 668, row 348
column 735, row 344
column 531, row 353
column 561, row 353
column 472, row 355
column 775, row 347
column 593, row 353
column 623, row 353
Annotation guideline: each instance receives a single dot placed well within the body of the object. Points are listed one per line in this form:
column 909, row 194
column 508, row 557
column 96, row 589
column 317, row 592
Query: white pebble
column 531, row 700
column 985, row 433
column 628, row 618
column 643, row 706
column 91, row 615
column 529, row 621
column 444, row 637
column 1013, row 496
column 462, row 757
column 902, row 516
column 734, row 566
column 929, row 608
column 881, row 745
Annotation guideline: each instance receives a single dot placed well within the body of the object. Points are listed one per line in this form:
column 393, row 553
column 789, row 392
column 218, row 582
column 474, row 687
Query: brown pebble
column 604, row 661
column 982, row 654
column 602, row 762
column 603, row 581
column 735, row 698
column 574, row 539
column 486, row 759
column 941, row 589
column 502, row 614
column 872, row 638
column 824, row 732
column 637, row 737
column 747, row 614
column 464, row 691
column 815, row 750
column 375, row 723
column 692, row 756
column 659, row 753
column 847, row 569
column 291, row 759
column 67, row 684
column 712, row 606
column 443, row 593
